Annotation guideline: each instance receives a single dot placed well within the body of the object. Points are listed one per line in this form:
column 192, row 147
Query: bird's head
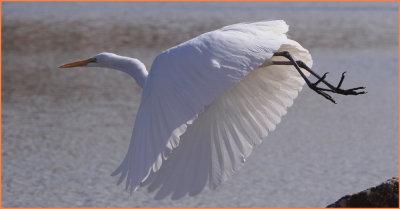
column 99, row 60
column 132, row 66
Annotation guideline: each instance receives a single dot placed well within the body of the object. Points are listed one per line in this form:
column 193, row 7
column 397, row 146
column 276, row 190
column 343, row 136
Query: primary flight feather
column 207, row 102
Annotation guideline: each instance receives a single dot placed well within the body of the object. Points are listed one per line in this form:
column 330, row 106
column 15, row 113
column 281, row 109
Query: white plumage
column 200, row 94
column 205, row 104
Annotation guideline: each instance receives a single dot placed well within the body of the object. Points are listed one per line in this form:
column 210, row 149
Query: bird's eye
column 92, row 60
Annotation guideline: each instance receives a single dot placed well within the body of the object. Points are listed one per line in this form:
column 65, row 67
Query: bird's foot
column 336, row 90
column 314, row 86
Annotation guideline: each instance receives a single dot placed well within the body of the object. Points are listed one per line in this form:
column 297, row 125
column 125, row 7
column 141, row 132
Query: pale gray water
column 64, row 131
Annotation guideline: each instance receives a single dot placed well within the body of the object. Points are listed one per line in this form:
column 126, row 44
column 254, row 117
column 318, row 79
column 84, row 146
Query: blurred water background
column 65, row 131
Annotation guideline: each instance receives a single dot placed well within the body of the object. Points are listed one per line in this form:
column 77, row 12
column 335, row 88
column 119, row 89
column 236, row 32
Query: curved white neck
column 132, row 66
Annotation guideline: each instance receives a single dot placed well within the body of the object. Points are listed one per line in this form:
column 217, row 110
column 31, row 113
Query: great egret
column 208, row 101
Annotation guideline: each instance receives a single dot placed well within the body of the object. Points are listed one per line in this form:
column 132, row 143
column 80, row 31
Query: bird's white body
column 205, row 104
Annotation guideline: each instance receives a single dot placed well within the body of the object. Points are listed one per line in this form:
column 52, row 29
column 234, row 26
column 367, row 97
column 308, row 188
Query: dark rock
column 384, row 195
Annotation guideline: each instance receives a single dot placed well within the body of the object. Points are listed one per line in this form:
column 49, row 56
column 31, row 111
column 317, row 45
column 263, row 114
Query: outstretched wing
column 223, row 136
column 178, row 95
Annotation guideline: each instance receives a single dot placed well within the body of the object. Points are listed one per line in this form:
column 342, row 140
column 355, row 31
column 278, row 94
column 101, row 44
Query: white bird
column 207, row 102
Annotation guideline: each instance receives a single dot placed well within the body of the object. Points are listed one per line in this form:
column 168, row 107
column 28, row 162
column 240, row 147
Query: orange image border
column 187, row 1
column 205, row 0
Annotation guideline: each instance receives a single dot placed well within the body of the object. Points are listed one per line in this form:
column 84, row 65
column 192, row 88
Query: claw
column 357, row 88
column 341, row 80
column 322, row 93
column 351, row 91
column 327, row 96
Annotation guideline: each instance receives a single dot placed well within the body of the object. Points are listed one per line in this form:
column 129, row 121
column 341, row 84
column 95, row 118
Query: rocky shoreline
column 384, row 195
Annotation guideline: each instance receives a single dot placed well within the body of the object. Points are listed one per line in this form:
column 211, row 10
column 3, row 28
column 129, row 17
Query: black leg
column 299, row 64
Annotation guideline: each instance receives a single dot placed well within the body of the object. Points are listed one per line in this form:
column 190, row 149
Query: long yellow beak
column 77, row 63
